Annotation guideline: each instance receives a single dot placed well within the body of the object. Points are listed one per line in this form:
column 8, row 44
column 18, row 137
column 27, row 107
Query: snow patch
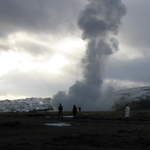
column 132, row 94
column 26, row 105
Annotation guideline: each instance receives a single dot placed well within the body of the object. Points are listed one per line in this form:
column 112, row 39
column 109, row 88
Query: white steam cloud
column 99, row 22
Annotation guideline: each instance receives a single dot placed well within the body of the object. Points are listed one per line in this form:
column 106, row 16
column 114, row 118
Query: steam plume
column 99, row 23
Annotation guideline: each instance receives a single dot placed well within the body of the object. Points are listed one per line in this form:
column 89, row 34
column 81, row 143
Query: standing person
column 79, row 109
column 74, row 111
column 60, row 111
column 127, row 112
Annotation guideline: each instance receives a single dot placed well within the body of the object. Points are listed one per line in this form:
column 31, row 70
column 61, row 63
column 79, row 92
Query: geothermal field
column 67, row 53
column 89, row 131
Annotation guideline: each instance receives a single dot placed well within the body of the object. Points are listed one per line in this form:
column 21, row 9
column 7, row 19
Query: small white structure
column 127, row 112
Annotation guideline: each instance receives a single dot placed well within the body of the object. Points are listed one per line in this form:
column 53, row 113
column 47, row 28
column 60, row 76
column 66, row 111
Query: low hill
column 26, row 105
column 137, row 98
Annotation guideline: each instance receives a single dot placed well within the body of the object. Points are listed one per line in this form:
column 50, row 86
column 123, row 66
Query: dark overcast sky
column 41, row 47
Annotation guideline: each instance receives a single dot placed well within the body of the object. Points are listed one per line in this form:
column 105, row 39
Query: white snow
column 132, row 94
column 25, row 105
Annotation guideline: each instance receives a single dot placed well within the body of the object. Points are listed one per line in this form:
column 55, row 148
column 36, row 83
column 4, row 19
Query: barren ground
column 90, row 131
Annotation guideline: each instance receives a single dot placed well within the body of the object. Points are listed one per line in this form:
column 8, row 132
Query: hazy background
column 41, row 47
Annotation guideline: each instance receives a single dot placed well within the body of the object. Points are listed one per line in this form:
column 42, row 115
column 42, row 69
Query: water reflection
column 58, row 124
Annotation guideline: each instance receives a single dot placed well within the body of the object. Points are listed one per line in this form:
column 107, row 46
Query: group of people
column 75, row 110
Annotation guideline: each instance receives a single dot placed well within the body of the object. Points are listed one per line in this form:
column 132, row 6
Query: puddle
column 58, row 124
column 68, row 116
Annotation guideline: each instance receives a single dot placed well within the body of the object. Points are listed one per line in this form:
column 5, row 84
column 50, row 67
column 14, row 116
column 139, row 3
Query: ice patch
column 58, row 124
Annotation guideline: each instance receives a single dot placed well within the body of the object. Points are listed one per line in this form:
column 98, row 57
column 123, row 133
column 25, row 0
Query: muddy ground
column 90, row 131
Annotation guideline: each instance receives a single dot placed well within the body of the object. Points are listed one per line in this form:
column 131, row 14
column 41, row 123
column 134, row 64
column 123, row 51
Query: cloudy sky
column 41, row 47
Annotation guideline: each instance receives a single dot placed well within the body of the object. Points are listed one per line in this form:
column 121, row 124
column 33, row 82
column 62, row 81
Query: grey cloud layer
column 38, row 15
column 34, row 48
column 136, row 70
column 135, row 34
column 135, row 30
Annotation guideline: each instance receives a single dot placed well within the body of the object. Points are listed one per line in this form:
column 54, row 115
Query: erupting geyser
column 99, row 23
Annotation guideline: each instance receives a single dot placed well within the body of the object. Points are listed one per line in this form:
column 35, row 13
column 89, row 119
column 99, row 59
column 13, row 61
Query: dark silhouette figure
column 74, row 111
column 60, row 111
column 79, row 109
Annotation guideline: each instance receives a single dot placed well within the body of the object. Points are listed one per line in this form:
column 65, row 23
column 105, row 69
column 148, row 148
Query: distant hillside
column 26, row 105
column 137, row 98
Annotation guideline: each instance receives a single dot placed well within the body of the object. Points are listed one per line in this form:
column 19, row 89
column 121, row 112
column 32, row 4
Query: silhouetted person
column 79, row 109
column 74, row 111
column 60, row 111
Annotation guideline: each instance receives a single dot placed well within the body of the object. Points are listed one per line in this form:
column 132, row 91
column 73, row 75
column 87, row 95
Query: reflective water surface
column 58, row 124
